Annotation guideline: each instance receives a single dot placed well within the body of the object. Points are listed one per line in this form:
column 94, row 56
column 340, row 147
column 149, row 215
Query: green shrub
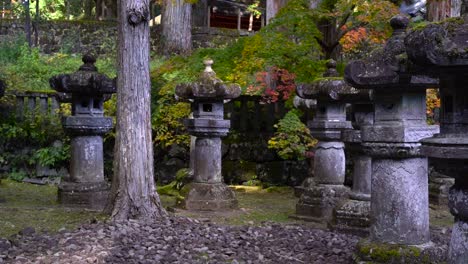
column 292, row 138
column 31, row 141
column 17, row 175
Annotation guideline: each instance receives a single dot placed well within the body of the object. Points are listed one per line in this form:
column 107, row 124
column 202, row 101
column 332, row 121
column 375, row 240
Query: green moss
column 321, row 79
column 279, row 189
column 391, row 253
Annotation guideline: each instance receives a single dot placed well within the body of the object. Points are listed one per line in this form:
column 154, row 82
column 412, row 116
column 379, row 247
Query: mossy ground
column 25, row 205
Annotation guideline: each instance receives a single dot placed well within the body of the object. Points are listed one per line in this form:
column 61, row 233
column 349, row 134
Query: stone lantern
column 399, row 185
column 354, row 215
column 208, row 191
column 441, row 50
column 318, row 201
column 86, row 186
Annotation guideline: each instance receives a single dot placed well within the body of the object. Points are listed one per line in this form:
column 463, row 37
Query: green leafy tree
column 337, row 18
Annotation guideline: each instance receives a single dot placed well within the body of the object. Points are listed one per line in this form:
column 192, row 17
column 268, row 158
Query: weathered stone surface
column 439, row 44
column 444, row 54
column 399, row 191
column 402, row 184
column 208, row 192
column 88, row 195
column 354, row 214
column 329, row 163
column 87, row 164
column 86, row 186
column 317, row 203
column 458, row 251
column 210, row 197
column 439, row 185
column 353, row 217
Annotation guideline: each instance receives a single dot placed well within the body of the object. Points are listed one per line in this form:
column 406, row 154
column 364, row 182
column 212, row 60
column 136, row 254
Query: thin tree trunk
column 272, row 8
column 27, row 23
column 88, row 9
column 36, row 25
column 98, row 4
column 464, row 8
column 133, row 186
column 177, row 27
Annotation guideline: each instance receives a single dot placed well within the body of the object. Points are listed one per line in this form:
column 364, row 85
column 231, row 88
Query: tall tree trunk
column 272, row 8
column 177, row 27
column 200, row 13
column 133, row 186
column 438, row 10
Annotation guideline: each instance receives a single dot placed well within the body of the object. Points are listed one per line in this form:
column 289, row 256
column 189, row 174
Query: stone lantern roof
column 439, row 47
column 332, row 87
column 208, row 87
column 85, row 81
column 388, row 68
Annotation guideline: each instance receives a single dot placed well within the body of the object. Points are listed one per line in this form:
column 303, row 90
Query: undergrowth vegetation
column 25, row 68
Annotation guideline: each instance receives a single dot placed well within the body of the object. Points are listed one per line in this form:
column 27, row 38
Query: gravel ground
column 184, row 240
column 180, row 240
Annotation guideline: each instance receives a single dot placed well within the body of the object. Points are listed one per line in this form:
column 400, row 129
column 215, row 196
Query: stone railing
column 248, row 115
column 30, row 103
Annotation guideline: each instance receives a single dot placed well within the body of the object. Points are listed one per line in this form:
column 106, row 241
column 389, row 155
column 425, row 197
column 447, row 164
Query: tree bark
column 27, row 23
column 88, row 8
column 106, row 9
column 133, row 186
column 177, row 27
column 438, row 10
column 200, row 14
column 272, row 8
column 464, row 8
column 455, row 9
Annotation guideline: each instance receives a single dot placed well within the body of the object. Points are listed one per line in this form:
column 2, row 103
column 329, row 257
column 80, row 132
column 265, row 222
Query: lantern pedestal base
column 210, row 197
column 90, row 195
column 317, row 203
